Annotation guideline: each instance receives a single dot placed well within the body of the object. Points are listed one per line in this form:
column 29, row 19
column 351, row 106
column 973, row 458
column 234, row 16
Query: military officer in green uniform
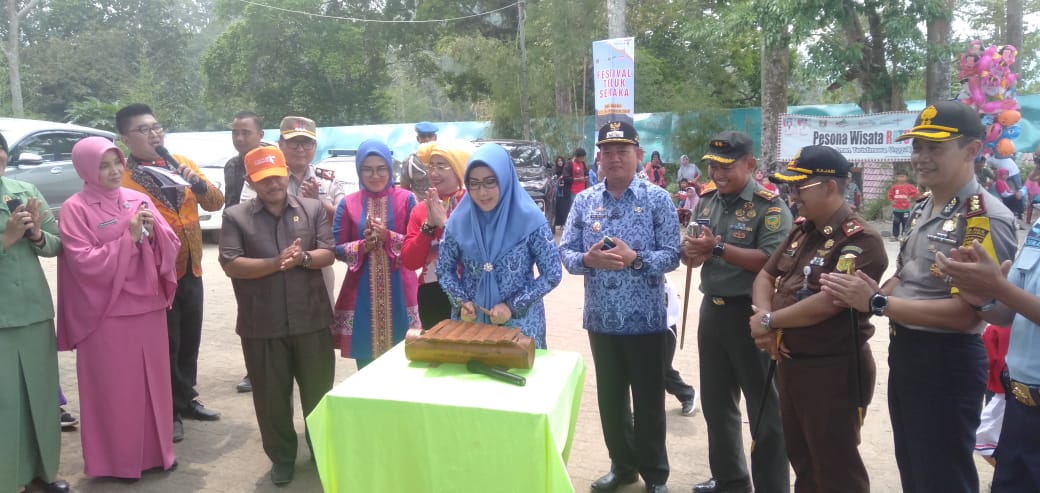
column 825, row 370
column 936, row 359
column 28, row 350
column 741, row 225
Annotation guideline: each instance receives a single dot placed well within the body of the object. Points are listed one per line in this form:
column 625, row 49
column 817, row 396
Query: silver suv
column 41, row 154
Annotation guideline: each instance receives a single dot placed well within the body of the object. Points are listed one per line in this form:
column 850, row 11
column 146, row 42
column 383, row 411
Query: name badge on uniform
column 817, row 261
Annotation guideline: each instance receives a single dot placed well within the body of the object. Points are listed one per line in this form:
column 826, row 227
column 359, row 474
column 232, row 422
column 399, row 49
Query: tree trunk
column 11, row 48
column 11, row 53
column 616, row 18
column 1014, row 25
column 775, row 65
column 937, row 72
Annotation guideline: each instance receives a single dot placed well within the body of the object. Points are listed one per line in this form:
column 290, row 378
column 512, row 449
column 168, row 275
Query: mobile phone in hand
column 608, row 243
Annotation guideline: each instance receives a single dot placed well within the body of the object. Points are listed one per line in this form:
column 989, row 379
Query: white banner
column 614, row 76
column 859, row 138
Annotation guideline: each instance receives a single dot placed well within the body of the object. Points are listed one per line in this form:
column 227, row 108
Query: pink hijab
column 102, row 272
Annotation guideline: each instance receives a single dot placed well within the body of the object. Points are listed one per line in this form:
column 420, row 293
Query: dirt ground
column 226, row 455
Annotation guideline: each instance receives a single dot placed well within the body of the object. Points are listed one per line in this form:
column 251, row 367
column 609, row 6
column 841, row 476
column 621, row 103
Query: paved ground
column 226, row 456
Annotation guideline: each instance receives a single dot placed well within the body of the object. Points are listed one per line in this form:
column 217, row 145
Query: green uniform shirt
column 754, row 218
column 24, row 290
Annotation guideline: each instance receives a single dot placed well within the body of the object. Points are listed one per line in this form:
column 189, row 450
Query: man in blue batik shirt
column 625, row 304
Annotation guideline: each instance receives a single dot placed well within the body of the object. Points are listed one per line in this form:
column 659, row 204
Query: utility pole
column 524, row 116
column 616, row 18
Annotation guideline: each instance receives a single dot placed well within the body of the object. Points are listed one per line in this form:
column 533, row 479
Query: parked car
column 41, row 154
column 535, row 171
column 341, row 162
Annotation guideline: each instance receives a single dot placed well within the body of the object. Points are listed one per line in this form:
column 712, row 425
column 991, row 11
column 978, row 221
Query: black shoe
column 714, row 486
column 282, row 473
column 246, row 385
column 197, row 411
column 178, row 430
column 58, row 486
column 656, row 488
column 689, row 406
column 610, row 481
column 67, row 420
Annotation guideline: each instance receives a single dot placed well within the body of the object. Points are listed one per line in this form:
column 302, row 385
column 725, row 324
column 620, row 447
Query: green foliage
column 92, row 112
column 874, row 209
column 277, row 64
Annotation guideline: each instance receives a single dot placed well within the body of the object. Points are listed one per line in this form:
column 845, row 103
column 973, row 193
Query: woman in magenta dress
column 377, row 303
column 116, row 278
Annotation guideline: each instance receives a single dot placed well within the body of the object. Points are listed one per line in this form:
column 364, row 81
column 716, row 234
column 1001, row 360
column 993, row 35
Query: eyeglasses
column 439, row 167
column 489, row 183
column 145, row 129
column 297, row 145
column 796, row 190
column 382, row 170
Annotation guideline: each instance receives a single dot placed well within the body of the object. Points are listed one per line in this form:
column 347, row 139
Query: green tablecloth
column 402, row 427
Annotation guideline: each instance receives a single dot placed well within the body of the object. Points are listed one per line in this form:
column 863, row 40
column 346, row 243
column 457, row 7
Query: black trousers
column 673, row 382
column 273, row 365
column 184, row 327
column 935, row 386
column 633, row 367
column 730, row 365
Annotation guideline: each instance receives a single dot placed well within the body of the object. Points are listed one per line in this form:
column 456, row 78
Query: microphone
column 13, row 204
column 495, row 372
column 197, row 186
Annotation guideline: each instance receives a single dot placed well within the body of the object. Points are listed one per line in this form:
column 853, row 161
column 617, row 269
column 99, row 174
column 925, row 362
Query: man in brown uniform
column 273, row 248
column 820, row 355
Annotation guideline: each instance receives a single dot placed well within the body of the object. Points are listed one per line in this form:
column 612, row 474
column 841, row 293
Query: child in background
column 901, row 195
column 996, row 341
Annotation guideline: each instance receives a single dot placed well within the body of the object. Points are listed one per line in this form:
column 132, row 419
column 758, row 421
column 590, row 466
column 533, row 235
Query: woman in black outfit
column 563, row 192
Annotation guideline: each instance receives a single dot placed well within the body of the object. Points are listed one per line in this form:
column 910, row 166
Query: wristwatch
column 306, row 260
column 718, row 250
column 766, row 321
column 985, row 307
column 637, row 263
column 428, row 229
column 878, row 304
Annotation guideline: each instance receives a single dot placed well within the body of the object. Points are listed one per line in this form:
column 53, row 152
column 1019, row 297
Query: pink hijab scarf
column 102, row 272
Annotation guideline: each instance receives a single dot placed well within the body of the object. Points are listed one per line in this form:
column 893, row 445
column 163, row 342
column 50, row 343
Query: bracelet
column 428, row 229
column 41, row 242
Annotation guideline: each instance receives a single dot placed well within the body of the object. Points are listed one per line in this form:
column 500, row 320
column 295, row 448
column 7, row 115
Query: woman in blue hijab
column 377, row 302
column 493, row 240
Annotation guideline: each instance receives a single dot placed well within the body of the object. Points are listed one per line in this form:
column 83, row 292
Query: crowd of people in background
column 790, row 274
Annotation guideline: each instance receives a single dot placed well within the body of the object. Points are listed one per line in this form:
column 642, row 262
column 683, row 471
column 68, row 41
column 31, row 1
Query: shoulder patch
column 851, row 227
column 924, row 196
column 766, row 194
column 708, row 188
column 799, row 220
column 975, row 205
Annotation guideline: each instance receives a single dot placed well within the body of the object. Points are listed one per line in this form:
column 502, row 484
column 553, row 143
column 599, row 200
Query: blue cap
column 425, row 128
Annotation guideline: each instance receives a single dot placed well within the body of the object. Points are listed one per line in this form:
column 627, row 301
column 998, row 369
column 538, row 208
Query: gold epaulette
column 766, row 194
column 975, row 205
column 708, row 188
column 851, row 227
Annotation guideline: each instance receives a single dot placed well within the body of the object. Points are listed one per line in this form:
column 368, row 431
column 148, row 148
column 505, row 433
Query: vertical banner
column 614, row 71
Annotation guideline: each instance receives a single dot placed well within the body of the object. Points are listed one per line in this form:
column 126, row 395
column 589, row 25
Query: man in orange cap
column 273, row 248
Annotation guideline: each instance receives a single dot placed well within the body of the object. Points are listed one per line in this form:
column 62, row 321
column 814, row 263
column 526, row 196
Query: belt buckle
column 718, row 301
column 1022, row 394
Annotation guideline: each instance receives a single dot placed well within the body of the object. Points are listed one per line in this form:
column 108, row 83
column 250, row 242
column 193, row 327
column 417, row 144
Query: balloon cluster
column 988, row 85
